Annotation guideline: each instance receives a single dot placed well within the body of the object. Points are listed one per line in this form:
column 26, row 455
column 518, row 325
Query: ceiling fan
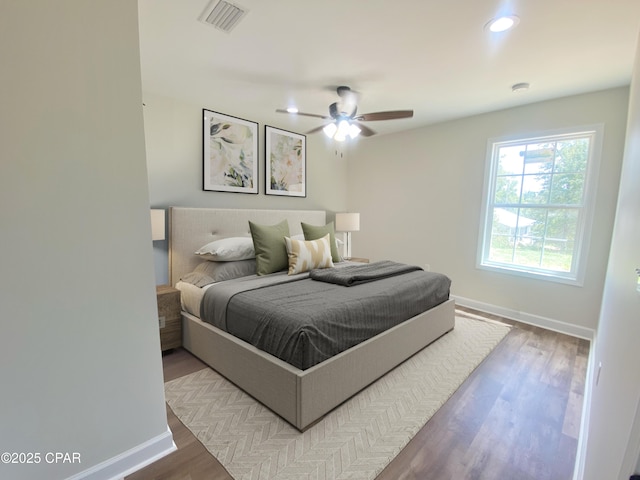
column 345, row 121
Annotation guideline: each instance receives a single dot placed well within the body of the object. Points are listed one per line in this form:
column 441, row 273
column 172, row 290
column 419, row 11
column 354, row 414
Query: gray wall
column 173, row 133
column 613, row 434
column 80, row 360
column 419, row 195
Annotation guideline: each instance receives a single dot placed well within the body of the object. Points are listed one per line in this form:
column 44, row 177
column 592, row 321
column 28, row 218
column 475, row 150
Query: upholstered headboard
column 191, row 228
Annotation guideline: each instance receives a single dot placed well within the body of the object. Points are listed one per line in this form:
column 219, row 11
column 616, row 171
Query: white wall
column 173, row 132
column 613, row 438
column 80, row 360
column 419, row 195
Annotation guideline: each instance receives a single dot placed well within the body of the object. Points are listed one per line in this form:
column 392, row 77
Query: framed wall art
column 285, row 163
column 230, row 153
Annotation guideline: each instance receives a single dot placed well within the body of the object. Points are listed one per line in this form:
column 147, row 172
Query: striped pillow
column 307, row 255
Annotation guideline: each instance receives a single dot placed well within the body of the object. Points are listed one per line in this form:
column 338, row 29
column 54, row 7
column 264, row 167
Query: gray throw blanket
column 358, row 274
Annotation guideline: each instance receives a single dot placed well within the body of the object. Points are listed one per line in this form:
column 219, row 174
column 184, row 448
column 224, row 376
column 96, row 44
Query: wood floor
column 516, row 417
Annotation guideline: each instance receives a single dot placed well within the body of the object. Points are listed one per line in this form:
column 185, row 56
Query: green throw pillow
column 312, row 232
column 271, row 251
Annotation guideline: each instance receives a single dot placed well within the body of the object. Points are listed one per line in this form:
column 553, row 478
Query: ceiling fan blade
column 364, row 130
column 314, row 130
column 390, row 115
column 314, row 115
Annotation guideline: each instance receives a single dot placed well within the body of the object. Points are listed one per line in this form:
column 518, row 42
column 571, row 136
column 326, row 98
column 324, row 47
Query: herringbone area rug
column 354, row 441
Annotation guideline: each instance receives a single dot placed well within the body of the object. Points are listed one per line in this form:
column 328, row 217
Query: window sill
column 545, row 277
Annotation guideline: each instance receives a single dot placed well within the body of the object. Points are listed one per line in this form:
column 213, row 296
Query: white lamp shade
column 354, row 130
column 343, row 131
column 347, row 222
column 157, row 224
column 330, row 130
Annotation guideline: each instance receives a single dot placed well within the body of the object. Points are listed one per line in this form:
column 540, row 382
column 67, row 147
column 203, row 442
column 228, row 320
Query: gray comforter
column 304, row 322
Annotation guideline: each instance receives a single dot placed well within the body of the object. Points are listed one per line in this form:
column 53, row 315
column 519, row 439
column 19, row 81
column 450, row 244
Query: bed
column 300, row 396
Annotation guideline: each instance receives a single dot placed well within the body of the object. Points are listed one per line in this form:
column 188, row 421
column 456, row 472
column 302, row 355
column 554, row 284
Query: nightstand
column 169, row 317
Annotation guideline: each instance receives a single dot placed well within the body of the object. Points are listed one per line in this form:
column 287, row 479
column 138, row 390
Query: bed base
column 303, row 396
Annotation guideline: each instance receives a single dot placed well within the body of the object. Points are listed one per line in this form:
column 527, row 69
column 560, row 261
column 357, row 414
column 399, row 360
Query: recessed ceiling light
column 292, row 110
column 520, row 87
column 502, row 24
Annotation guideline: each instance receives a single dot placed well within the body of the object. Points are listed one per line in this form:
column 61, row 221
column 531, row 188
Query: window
column 538, row 204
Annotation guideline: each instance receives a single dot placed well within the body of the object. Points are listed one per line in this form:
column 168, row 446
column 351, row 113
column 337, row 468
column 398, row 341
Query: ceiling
column 432, row 56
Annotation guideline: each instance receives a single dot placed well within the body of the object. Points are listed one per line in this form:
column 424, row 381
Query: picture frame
column 285, row 163
column 229, row 153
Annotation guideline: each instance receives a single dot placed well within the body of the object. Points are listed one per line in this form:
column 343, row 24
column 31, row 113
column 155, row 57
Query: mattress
column 304, row 321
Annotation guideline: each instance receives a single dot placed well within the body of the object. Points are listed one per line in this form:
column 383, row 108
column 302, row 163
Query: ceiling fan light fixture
column 342, row 132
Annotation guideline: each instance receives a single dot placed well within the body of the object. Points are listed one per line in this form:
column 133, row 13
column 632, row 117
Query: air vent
column 223, row 15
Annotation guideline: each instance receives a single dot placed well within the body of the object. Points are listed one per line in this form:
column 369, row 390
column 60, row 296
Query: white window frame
column 585, row 217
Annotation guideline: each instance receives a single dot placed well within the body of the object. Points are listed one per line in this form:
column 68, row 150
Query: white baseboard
column 538, row 321
column 132, row 460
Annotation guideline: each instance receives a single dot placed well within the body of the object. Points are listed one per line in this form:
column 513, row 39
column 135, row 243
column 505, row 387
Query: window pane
column 510, row 159
column 567, row 188
column 529, row 232
column 528, row 254
column 535, row 189
column 562, row 224
column 502, row 234
column 556, row 256
column 534, row 220
column 572, row 155
column 501, row 250
column 539, row 158
column 508, row 189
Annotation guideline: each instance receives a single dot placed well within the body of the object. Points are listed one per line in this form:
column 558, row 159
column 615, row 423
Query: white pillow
column 307, row 255
column 229, row 249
